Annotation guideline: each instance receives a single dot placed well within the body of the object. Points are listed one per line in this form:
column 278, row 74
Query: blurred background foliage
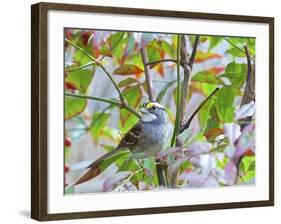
column 218, row 149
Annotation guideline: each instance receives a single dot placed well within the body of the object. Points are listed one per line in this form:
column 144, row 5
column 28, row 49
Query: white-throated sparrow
column 148, row 137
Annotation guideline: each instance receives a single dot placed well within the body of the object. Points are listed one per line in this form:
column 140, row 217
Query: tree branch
column 80, row 67
column 150, row 90
column 187, row 64
column 177, row 121
column 120, row 104
column 249, row 93
column 98, row 63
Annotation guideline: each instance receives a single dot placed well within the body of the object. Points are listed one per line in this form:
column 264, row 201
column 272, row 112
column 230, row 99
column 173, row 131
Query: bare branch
column 149, row 85
column 249, row 93
column 178, row 109
column 187, row 64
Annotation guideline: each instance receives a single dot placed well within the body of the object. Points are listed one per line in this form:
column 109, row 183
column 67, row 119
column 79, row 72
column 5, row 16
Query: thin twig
column 98, row 63
column 161, row 60
column 110, row 101
column 188, row 122
column 80, row 67
column 83, row 51
column 149, row 85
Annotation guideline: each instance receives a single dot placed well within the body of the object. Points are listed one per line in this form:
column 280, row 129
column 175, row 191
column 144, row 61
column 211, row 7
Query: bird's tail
column 102, row 158
column 95, row 167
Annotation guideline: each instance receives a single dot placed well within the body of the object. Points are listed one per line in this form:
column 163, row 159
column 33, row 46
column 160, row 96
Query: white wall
column 15, row 111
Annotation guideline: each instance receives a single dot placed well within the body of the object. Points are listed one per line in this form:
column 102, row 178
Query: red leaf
column 128, row 69
column 85, row 37
column 204, row 56
column 213, row 132
column 249, row 152
column 216, row 70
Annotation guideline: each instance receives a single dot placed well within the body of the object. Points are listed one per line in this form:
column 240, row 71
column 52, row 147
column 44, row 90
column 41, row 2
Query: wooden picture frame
column 39, row 108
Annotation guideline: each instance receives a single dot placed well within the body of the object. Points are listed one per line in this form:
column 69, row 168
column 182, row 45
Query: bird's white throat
column 148, row 117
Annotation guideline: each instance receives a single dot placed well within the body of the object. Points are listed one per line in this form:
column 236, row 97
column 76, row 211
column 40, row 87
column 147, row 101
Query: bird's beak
column 144, row 111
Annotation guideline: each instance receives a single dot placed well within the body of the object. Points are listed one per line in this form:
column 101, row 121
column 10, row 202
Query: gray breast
column 154, row 138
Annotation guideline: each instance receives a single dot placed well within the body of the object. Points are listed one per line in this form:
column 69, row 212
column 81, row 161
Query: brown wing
column 131, row 138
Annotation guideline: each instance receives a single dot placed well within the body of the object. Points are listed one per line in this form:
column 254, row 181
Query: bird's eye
column 153, row 108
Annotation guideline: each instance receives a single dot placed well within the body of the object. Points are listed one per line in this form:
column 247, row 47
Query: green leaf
column 111, row 44
column 115, row 39
column 184, row 166
column 224, row 102
column 249, row 176
column 222, row 163
column 112, row 134
column 235, row 52
column 207, row 77
column 69, row 190
column 164, row 90
column 214, row 121
column 132, row 165
column 106, row 163
column 214, row 41
column 204, row 114
column 252, row 45
column 149, row 165
column 168, row 49
column 133, row 95
column 80, row 58
column 247, row 163
column 236, row 73
column 81, row 79
column 154, row 50
column 119, row 52
column 127, row 82
column 98, row 124
column 73, row 107
column 240, row 41
column 134, row 59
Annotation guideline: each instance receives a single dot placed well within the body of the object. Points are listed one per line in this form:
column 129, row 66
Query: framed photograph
column 139, row 111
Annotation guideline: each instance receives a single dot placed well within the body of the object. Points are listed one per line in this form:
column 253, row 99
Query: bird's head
column 153, row 111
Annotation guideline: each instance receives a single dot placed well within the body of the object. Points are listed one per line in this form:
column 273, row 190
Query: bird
column 149, row 136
